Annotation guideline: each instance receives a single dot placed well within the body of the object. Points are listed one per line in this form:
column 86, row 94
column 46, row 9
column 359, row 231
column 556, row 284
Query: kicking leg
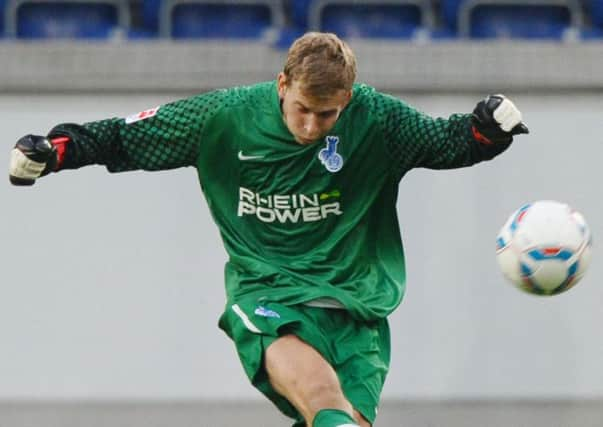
column 362, row 422
column 298, row 372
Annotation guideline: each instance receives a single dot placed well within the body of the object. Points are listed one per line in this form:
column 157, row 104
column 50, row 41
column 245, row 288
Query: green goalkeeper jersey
column 299, row 222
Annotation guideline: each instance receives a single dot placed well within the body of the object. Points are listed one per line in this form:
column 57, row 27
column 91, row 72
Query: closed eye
column 327, row 114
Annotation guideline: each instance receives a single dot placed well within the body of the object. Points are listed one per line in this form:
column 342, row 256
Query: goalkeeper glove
column 496, row 119
column 33, row 156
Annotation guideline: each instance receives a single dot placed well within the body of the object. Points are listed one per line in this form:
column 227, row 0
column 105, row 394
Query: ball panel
column 509, row 265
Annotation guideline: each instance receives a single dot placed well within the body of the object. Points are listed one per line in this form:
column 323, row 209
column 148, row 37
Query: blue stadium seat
column 2, row 6
column 450, row 11
column 591, row 34
column 596, row 13
column 523, row 19
column 245, row 21
column 150, row 15
column 528, row 22
column 185, row 19
column 298, row 11
column 593, row 28
column 43, row 19
column 371, row 19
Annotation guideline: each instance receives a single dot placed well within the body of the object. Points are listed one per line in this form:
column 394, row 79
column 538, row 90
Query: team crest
column 263, row 311
column 329, row 156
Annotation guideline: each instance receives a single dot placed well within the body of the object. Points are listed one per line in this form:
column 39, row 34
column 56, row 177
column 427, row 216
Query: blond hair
column 322, row 63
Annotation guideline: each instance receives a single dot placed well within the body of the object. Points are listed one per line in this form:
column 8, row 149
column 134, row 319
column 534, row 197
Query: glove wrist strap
column 479, row 137
column 60, row 144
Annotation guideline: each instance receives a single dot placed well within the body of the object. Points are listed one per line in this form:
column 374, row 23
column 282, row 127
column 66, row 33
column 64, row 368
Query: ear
column 348, row 98
column 281, row 84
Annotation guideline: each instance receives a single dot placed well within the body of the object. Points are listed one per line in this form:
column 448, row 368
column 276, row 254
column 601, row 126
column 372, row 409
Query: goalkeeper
column 301, row 175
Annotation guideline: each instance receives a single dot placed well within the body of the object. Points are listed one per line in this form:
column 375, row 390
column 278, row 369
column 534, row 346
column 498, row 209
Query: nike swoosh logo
column 243, row 157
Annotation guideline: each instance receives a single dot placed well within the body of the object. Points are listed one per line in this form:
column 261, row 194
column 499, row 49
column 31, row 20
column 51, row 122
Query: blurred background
column 112, row 285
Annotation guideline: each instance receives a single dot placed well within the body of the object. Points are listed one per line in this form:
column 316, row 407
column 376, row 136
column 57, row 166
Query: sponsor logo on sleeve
column 146, row 114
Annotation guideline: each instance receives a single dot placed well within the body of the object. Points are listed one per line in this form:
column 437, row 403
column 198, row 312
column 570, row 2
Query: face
column 307, row 118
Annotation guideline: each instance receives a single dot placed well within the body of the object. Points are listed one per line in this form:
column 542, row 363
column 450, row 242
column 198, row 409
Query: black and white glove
column 496, row 119
column 32, row 157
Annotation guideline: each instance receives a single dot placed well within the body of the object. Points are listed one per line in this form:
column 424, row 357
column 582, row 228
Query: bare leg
column 298, row 372
column 362, row 422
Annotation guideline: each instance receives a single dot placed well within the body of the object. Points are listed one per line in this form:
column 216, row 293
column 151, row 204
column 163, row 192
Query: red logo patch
column 142, row 115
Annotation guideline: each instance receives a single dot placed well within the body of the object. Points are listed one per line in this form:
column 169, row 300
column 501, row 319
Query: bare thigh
column 300, row 373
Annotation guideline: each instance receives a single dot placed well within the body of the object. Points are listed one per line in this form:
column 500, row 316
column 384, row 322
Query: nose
column 311, row 126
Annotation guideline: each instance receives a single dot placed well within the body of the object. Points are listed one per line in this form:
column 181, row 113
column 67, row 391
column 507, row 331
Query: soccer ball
column 544, row 248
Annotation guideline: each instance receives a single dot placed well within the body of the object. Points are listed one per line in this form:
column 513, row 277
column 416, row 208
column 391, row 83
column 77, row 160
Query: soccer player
column 301, row 175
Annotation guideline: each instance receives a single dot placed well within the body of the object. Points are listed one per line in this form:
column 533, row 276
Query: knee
column 362, row 422
column 299, row 373
column 320, row 392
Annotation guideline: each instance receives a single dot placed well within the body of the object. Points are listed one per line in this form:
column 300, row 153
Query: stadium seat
column 298, row 12
column 150, row 15
column 596, row 13
column 37, row 19
column 371, row 18
column 2, row 6
column 525, row 19
column 182, row 19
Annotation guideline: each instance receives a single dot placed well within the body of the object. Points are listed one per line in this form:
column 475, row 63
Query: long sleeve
column 165, row 137
column 415, row 139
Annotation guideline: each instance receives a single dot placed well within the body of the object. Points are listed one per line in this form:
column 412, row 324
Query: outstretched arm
column 415, row 139
column 165, row 137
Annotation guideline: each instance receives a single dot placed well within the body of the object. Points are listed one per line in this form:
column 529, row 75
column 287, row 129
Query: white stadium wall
column 112, row 284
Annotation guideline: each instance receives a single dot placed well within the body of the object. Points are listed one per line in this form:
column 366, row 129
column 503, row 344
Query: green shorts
column 358, row 351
